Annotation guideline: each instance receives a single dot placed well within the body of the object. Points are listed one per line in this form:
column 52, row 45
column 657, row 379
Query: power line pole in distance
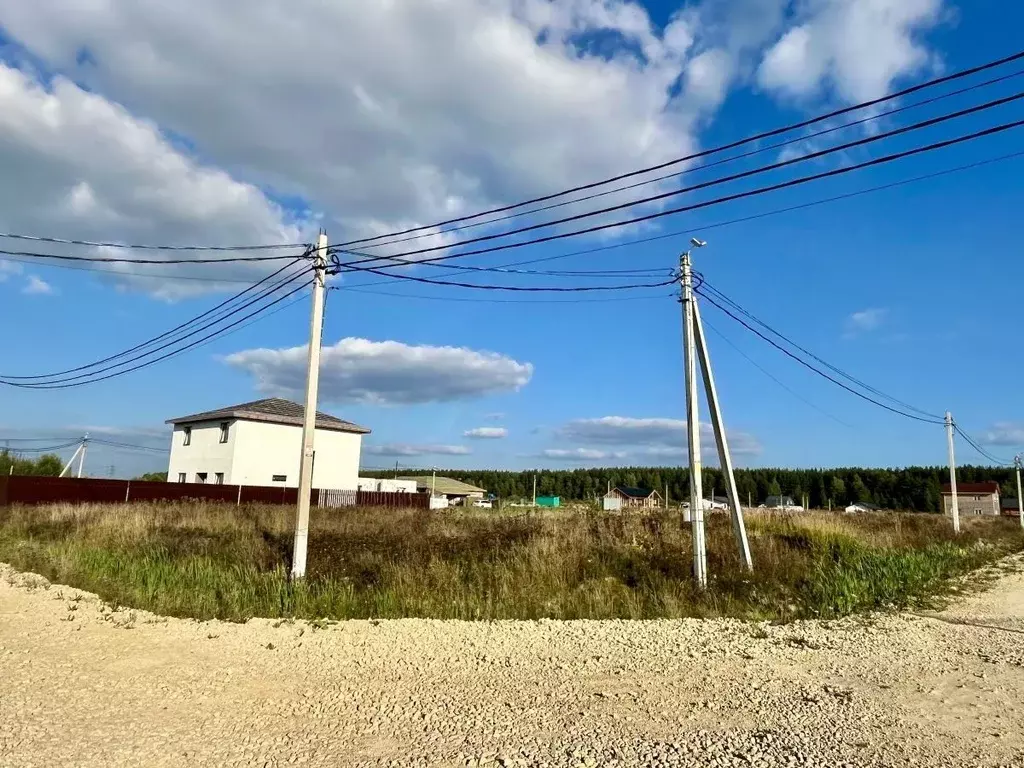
column 1020, row 503
column 309, row 412
column 955, row 509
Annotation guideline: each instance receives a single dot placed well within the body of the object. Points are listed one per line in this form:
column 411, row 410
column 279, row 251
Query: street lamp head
column 697, row 243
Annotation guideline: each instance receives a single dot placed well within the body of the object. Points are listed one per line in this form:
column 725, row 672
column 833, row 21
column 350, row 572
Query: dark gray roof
column 275, row 411
column 634, row 493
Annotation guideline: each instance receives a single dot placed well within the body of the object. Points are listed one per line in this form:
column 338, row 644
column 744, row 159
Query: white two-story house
column 260, row 443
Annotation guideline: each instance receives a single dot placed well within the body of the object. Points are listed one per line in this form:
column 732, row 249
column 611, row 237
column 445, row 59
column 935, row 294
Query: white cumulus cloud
column 409, row 449
column 1004, row 433
column 581, row 454
column 36, row 286
column 865, row 320
column 856, row 47
column 78, row 165
column 653, row 438
column 486, row 433
column 386, row 372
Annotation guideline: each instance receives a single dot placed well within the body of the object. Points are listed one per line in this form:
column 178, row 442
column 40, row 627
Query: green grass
column 219, row 561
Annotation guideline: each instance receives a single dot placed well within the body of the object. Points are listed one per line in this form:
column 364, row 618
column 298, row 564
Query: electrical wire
column 162, row 336
column 725, row 199
column 51, row 448
column 705, row 153
column 729, row 222
column 134, row 275
column 771, row 376
column 839, row 371
column 76, row 380
column 118, row 260
column 864, row 141
column 138, row 247
column 515, row 288
column 973, row 443
column 127, row 446
column 706, row 166
column 811, row 367
column 467, row 299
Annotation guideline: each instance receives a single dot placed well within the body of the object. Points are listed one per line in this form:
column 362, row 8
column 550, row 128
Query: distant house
column 260, row 443
column 631, row 498
column 386, row 485
column 972, row 498
column 862, row 506
column 454, row 491
column 1009, row 507
column 782, row 502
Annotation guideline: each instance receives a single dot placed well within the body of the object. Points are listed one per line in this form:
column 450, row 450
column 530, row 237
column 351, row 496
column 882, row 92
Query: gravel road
column 84, row 684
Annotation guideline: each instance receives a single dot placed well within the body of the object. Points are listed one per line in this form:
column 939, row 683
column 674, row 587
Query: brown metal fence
column 26, row 489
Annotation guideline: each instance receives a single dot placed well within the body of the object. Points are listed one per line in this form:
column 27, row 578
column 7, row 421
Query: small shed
column 549, row 501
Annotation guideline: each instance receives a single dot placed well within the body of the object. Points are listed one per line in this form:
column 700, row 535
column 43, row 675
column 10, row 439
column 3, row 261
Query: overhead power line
column 705, row 153
column 689, row 231
column 144, row 247
column 705, row 166
column 772, row 376
column 721, row 307
column 839, row 371
column 974, row 444
column 707, row 184
column 162, row 336
column 728, row 198
column 91, row 377
column 491, row 300
column 119, row 260
column 49, row 448
column 514, row 288
column 128, row 446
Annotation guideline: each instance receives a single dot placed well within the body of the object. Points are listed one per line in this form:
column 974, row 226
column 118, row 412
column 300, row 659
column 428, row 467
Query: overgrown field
column 212, row 560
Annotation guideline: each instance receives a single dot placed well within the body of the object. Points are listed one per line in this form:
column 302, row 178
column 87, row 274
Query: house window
column 977, row 511
column 201, row 477
column 181, row 477
column 280, row 478
column 224, row 431
column 188, row 436
column 218, row 479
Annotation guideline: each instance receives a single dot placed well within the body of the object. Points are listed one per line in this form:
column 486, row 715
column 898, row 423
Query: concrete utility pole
column 433, row 481
column 309, row 414
column 535, row 490
column 1020, row 502
column 700, row 557
column 955, row 509
column 739, row 528
column 81, row 456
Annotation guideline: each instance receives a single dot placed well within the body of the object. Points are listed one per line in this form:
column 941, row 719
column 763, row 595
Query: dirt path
column 82, row 685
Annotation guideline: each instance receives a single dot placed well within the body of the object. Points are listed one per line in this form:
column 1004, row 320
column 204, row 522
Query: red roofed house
column 972, row 498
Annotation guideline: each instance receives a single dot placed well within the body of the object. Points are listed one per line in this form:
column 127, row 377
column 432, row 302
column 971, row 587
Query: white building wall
column 265, row 450
column 258, row 451
column 205, row 453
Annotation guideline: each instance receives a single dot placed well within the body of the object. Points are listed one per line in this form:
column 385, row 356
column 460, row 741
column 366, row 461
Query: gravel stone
column 895, row 689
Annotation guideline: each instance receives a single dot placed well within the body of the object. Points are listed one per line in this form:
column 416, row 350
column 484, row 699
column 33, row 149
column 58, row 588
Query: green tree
column 159, row 477
column 774, row 489
column 837, row 490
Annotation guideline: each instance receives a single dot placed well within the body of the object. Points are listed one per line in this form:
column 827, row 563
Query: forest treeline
column 912, row 488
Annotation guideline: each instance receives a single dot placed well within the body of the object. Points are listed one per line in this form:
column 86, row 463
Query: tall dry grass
column 215, row 560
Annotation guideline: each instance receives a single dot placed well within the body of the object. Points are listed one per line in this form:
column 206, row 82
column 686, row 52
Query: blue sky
column 118, row 127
